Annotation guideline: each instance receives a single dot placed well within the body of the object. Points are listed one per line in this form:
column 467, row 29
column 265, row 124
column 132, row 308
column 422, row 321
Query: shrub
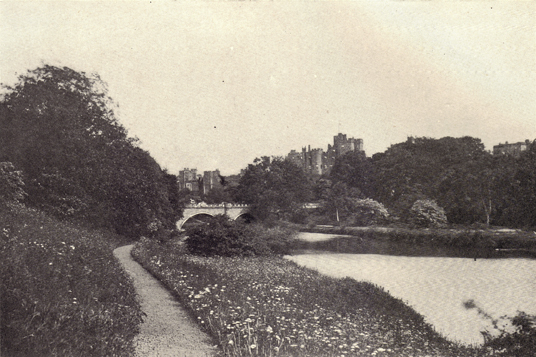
column 368, row 212
column 516, row 336
column 427, row 213
column 224, row 237
column 279, row 239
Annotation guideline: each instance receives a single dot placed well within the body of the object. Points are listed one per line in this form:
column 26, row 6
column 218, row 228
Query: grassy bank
column 449, row 242
column 269, row 306
column 63, row 292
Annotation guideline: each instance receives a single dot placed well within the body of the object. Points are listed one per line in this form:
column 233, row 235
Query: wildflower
column 231, row 342
column 269, row 329
column 253, row 346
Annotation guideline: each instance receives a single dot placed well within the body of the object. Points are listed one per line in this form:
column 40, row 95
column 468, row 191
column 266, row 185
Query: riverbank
column 498, row 243
column 267, row 306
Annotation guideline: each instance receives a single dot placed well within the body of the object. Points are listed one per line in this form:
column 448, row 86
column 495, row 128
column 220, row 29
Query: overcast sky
column 216, row 84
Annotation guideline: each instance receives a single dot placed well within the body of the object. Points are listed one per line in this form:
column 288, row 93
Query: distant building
column 188, row 178
column 514, row 149
column 211, row 179
column 197, row 183
column 319, row 162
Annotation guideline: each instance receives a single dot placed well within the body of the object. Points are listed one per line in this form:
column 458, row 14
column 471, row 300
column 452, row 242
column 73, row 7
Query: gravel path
column 167, row 330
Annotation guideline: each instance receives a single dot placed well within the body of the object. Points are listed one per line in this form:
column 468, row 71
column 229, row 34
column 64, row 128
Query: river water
column 437, row 287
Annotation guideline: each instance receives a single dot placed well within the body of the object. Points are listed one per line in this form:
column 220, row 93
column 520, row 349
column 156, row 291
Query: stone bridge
column 233, row 211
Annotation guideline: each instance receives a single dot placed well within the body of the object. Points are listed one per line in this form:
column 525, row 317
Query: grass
column 269, row 306
column 63, row 291
column 447, row 242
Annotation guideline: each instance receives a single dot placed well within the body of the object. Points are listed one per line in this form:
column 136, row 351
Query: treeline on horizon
column 63, row 146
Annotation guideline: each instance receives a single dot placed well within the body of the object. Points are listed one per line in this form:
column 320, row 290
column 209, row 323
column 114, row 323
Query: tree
column 347, row 204
column 59, row 128
column 355, row 170
column 275, row 187
column 522, row 211
column 477, row 190
column 416, row 168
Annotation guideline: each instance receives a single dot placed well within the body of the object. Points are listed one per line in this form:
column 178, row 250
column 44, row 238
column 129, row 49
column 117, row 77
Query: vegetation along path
column 167, row 330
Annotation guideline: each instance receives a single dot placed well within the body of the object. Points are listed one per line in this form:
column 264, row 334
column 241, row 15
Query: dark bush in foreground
column 63, row 291
column 520, row 342
column 515, row 337
column 224, row 237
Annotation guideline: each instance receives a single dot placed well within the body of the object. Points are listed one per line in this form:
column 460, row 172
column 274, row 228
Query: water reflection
column 437, row 286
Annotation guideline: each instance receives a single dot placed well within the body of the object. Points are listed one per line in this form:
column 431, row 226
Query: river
column 437, row 287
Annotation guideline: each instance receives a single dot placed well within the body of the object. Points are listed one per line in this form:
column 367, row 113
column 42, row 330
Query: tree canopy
column 59, row 128
column 274, row 187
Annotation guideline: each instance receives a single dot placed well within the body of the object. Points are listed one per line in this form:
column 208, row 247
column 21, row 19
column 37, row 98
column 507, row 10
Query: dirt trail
column 167, row 330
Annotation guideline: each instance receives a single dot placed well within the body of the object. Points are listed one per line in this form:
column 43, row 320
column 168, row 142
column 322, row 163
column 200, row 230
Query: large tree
column 275, row 187
column 522, row 210
column 59, row 128
column 414, row 169
column 355, row 170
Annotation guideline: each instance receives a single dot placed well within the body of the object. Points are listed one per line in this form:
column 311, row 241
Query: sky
column 213, row 85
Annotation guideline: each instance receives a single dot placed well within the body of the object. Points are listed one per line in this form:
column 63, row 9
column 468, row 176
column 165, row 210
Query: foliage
column 426, row 213
column 338, row 200
column 367, row 212
column 516, row 337
column 59, row 128
column 520, row 342
column 225, row 237
column 522, row 211
column 346, row 204
column 54, row 299
column 414, row 168
column 477, row 190
column 268, row 306
column 217, row 195
column 11, row 183
column 274, row 187
column 355, row 170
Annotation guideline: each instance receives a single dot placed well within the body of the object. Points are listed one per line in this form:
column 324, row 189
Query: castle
column 319, row 162
column 197, row 183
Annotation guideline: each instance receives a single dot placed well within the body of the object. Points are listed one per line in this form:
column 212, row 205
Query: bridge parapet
column 233, row 210
column 216, row 205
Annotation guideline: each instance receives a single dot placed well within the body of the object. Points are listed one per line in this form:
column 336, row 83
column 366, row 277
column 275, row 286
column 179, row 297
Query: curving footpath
column 167, row 330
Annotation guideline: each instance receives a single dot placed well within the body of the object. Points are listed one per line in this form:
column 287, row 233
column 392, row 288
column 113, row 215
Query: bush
column 224, row 237
column 519, row 342
column 427, row 213
column 368, row 212
column 516, row 337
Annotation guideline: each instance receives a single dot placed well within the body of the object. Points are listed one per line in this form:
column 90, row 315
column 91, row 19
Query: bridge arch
column 233, row 211
column 197, row 218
